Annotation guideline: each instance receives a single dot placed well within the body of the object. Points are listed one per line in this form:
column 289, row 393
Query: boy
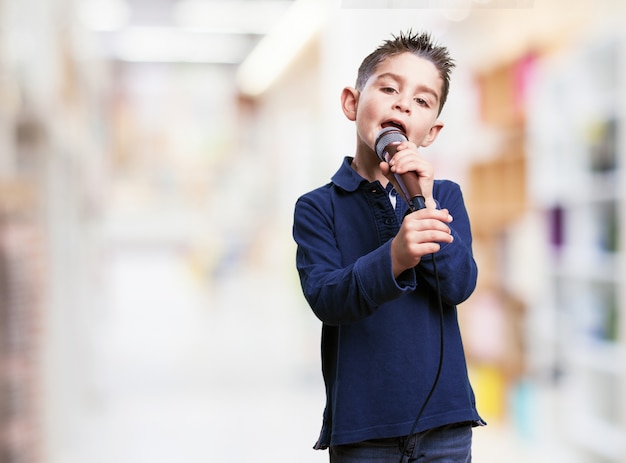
column 384, row 282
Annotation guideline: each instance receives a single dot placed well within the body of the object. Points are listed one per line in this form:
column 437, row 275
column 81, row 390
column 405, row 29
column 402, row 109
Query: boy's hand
column 420, row 234
column 407, row 159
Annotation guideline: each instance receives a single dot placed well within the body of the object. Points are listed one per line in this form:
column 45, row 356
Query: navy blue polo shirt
column 380, row 335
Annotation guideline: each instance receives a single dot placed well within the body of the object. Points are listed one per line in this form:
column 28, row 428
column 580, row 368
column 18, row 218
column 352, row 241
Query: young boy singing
column 384, row 279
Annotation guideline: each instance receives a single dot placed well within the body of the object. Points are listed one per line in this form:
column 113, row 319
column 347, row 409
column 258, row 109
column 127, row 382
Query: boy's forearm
column 346, row 295
column 456, row 269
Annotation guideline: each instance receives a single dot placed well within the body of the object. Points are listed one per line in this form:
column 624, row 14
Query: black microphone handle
column 408, row 182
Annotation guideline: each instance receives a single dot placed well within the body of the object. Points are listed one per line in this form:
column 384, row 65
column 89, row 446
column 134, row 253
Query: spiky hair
column 420, row 44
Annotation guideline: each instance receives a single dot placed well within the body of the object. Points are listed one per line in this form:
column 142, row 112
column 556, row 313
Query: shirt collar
column 346, row 177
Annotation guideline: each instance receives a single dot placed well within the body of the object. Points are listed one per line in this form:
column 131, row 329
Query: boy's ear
column 349, row 101
column 432, row 134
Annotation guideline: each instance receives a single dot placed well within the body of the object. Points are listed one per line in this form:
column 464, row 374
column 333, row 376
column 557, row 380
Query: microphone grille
column 385, row 137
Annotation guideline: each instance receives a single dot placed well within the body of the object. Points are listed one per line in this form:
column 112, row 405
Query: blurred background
column 151, row 152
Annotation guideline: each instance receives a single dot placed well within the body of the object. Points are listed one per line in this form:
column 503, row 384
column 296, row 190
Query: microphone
column 385, row 146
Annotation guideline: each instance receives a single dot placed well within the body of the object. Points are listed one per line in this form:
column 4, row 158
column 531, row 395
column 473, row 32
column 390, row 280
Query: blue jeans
column 447, row 444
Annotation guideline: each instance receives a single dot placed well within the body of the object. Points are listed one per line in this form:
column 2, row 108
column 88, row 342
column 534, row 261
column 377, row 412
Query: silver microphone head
column 385, row 137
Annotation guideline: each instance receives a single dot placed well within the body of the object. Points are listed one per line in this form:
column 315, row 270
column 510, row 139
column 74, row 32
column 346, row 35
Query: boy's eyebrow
column 398, row 78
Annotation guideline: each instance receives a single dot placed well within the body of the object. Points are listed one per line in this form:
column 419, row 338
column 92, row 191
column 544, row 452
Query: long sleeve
column 337, row 292
column 455, row 262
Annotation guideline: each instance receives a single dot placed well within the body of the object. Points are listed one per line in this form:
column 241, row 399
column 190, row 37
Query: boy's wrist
column 430, row 203
column 397, row 265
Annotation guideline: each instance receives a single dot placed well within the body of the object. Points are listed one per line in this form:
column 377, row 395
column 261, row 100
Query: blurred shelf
column 576, row 177
column 598, row 356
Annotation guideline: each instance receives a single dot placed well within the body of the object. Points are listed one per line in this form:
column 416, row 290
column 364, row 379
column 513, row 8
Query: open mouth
column 395, row 124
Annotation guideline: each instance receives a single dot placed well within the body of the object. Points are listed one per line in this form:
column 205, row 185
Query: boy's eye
column 421, row 101
column 388, row 89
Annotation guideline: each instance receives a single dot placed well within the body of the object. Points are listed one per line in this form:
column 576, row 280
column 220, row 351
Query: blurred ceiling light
column 103, row 15
column 234, row 17
column 457, row 10
column 168, row 44
column 282, row 44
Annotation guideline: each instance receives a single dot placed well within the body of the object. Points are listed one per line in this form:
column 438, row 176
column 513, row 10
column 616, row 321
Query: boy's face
column 404, row 91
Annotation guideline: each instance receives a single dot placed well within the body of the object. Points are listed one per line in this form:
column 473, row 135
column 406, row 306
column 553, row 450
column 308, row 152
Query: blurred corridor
column 184, row 375
column 149, row 163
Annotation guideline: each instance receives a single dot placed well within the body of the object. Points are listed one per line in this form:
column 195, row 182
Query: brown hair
column 420, row 45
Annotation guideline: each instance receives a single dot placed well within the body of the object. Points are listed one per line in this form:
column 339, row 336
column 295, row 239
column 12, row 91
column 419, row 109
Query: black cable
column 439, row 367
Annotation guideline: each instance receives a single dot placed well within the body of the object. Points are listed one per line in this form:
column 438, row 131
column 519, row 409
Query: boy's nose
column 403, row 104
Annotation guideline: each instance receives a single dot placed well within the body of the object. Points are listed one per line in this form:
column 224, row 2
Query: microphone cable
column 440, row 363
column 384, row 146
